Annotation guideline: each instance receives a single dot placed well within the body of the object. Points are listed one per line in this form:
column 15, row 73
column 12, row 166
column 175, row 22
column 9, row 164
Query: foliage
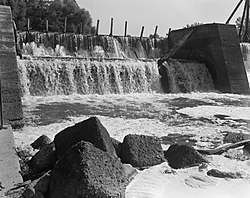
column 238, row 22
column 38, row 11
column 193, row 25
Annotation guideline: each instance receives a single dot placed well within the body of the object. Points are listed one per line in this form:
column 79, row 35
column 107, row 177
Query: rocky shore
column 84, row 161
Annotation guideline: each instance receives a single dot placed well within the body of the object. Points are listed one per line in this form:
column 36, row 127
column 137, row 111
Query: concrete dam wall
column 216, row 45
column 10, row 84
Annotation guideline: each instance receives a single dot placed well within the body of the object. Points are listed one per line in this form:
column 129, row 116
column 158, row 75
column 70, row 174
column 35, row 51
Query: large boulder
column 183, row 156
column 44, row 159
column 90, row 130
column 141, row 151
column 41, row 142
column 86, row 171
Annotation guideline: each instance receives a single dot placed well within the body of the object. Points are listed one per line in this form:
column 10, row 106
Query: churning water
column 65, row 77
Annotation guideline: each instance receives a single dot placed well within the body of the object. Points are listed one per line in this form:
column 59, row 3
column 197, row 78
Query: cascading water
column 129, row 75
column 83, row 45
column 245, row 48
column 62, row 77
column 183, row 76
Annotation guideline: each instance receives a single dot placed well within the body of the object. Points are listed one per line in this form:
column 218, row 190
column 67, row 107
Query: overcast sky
column 166, row 14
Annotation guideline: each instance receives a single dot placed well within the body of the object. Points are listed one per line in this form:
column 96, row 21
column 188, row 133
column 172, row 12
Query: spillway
column 64, row 77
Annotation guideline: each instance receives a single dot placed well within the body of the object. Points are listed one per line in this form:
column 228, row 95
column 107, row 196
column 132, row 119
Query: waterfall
column 64, row 77
column 84, row 45
column 183, row 76
column 245, row 49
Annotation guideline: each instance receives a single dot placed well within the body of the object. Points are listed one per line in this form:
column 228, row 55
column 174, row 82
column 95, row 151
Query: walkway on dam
column 9, row 164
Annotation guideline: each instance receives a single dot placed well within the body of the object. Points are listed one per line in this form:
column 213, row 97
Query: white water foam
column 56, row 77
column 187, row 76
column 245, row 49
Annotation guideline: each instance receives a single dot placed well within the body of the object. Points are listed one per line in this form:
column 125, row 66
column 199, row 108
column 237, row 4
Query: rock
column 16, row 192
column 236, row 154
column 41, row 184
column 41, row 142
column 235, row 137
column 39, row 195
column 183, row 156
column 90, row 130
column 222, row 174
column 44, row 159
column 246, row 150
column 118, row 146
column 141, row 151
column 29, row 192
column 86, row 171
column 24, row 153
column 37, row 188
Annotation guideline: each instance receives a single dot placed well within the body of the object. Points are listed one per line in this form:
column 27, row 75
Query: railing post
column 81, row 28
column 28, row 24
column 142, row 30
column 125, row 31
column 47, row 26
column 155, row 34
column 65, row 25
column 97, row 27
column 111, row 27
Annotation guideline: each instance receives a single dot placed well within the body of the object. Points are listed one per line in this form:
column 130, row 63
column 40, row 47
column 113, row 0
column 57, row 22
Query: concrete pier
column 9, row 76
column 216, row 45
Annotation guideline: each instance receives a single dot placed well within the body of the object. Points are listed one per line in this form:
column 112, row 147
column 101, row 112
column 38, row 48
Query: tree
column 83, row 17
column 244, row 35
column 38, row 11
column 18, row 9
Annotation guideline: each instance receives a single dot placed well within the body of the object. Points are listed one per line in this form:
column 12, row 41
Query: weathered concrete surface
column 10, row 83
column 216, row 45
column 9, row 164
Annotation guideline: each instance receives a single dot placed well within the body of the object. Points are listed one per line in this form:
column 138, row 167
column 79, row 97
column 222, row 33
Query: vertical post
column 142, row 30
column 97, row 27
column 169, row 41
column 111, row 27
column 28, row 24
column 47, row 26
column 1, row 106
column 65, row 25
column 155, row 34
column 125, row 31
column 81, row 28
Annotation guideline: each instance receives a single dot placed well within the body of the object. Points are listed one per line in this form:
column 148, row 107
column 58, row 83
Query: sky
column 165, row 14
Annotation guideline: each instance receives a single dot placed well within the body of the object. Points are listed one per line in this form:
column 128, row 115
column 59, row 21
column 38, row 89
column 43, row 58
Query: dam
column 203, row 58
